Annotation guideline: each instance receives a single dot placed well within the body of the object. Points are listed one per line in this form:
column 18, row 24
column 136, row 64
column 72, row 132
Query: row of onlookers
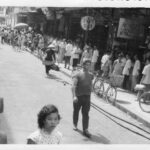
column 71, row 54
column 66, row 50
column 132, row 69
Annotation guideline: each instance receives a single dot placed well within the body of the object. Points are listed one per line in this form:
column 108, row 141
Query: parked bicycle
column 107, row 88
column 144, row 99
column 144, row 102
column 98, row 85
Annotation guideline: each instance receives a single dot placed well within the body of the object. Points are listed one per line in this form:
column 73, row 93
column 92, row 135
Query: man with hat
column 50, row 58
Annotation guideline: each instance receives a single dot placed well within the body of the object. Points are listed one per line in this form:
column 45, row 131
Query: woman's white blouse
column 42, row 137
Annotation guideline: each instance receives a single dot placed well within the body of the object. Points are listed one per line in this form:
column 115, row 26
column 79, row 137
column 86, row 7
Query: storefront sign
column 87, row 23
column 129, row 29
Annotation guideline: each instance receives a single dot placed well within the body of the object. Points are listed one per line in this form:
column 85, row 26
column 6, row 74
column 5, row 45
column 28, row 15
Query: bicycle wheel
column 98, row 87
column 144, row 102
column 111, row 94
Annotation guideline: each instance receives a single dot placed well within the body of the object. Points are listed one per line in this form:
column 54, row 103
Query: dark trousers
column 83, row 104
column 75, row 62
column 67, row 61
column 125, row 82
column 47, row 69
column 2, row 40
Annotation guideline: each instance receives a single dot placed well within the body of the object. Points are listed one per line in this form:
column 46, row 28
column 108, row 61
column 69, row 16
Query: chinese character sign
column 128, row 29
column 87, row 23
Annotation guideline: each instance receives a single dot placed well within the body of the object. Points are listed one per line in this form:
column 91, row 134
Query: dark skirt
column 75, row 62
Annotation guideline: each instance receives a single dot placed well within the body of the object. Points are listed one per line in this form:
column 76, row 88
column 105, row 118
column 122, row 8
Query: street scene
column 74, row 75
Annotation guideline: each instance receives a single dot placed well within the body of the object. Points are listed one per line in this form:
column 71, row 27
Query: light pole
column 87, row 30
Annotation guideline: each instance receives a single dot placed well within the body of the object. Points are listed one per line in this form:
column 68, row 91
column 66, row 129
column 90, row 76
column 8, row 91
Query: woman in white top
column 94, row 58
column 86, row 55
column 75, row 56
column 126, row 71
column 146, row 75
column 62, row 49
column 48, row 119
column 135, row 72
column 68, row 52
column 117, row 66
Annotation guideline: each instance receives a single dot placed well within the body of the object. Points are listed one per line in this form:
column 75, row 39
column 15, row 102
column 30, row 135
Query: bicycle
column 111, row 85
column 144, row 98
column 144, row 102
column 111, row 92
column 98, row 85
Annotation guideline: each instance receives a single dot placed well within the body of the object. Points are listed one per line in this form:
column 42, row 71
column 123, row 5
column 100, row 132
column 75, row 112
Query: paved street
column 25, row 89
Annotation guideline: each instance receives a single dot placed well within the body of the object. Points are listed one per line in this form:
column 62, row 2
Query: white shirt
column 127, row 67
column 95, row 55
column 104, row 59
column 86, row 55
column 75, row 53
column 146, row 72
column 117, row 67
column 123, row 60
column 136, row 68
column 42, row 137
column 62, row 45
column 69, row 48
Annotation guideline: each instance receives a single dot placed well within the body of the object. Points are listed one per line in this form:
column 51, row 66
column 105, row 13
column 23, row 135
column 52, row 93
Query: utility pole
column 86, row 31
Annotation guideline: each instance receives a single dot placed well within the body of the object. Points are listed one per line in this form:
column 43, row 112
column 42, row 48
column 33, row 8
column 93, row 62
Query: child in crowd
column 48, row 119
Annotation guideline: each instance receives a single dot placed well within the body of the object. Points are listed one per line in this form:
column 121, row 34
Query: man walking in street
column 81, row 90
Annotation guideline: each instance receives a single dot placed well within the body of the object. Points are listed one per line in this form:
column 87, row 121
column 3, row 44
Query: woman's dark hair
column 44, row 112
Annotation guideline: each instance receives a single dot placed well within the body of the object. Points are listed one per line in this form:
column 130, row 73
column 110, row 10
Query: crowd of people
column 130, row 67
column 73, row 53
column 67, row 51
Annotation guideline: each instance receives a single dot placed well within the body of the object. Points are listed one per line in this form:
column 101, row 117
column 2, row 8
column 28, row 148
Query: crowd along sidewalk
column 126, row 101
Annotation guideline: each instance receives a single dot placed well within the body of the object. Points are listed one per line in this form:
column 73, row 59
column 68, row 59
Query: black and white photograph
column 77, row 75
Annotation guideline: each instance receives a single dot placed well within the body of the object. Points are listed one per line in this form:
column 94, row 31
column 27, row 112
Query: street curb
column 133, row 115
column 123, row 109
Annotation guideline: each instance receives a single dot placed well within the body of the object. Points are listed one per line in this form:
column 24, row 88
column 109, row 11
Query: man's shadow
column 54, row 77
column 95, row 138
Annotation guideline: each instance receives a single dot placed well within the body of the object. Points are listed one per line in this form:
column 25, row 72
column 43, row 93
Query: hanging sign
column 129, row 29
column 87, row 23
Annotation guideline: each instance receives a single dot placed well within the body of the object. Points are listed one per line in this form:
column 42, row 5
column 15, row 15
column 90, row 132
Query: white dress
column 146, row 72
column 42, row 137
